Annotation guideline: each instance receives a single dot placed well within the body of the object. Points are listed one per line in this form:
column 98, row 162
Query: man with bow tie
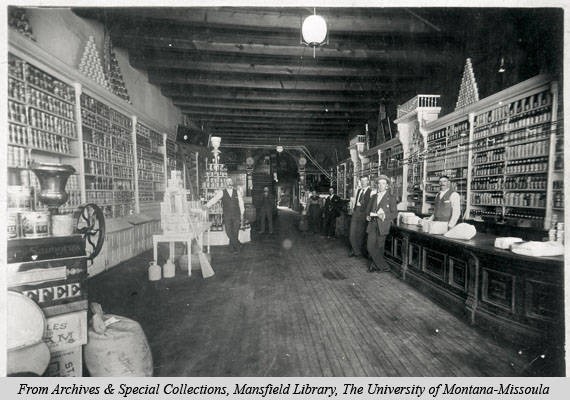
column 380, row 213
column 358, row 221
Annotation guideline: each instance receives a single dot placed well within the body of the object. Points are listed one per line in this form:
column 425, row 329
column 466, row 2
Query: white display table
column 173, row 237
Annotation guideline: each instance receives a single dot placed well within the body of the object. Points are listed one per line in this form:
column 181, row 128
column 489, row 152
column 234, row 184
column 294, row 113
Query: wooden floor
column 296, row 305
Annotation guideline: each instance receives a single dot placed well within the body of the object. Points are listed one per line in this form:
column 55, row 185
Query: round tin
column 35, row 223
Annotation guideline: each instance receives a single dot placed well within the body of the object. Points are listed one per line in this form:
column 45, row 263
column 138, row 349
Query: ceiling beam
column 282, row 127
column 284, row 106
column 120, row 26
column 178, row 92
column 272, row 122
column 274, row 114
column 410, row 55
column 355, row 84
column 184, row 64
column 371, row 20
column 193, row 55
column 284, row 139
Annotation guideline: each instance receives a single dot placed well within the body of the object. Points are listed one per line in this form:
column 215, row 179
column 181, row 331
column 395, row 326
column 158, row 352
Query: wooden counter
column 516, row 297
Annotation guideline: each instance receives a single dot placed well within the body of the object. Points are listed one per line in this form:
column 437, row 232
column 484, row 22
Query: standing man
column 447, row 205
column 233, row 209
column 358, row 221
column 380, row 213
column 266, row 210
column 331, row 213
column 314, row 212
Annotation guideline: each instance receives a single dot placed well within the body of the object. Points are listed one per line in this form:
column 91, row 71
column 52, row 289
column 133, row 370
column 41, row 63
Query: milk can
column 154, row 271
column 168, row 269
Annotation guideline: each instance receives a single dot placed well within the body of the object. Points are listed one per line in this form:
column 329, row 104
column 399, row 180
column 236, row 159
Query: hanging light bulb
column 279, row 149
column 314, row 30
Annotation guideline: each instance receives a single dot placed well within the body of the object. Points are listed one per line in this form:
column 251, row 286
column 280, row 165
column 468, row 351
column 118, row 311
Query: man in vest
column 358, row 221
column 447, row 204
column 233, row 209
column 381, row 211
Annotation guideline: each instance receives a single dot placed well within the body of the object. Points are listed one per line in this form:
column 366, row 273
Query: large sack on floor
column 121, row 349
column 27, row 353
column 32, row 360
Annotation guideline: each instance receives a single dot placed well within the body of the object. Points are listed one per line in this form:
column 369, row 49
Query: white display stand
column 182, row 221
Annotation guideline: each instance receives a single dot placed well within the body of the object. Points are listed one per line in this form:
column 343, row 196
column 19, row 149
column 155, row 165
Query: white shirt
column 359, row 195
column 220, row 193
column 379, row 197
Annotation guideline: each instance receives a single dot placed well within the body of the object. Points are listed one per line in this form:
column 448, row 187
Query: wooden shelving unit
column 505, row 147
column 214, row 181
column 42, row 127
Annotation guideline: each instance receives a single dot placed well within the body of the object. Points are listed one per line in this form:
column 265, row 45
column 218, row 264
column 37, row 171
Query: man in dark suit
column 331, row 213
column 358, row 221
column 266, row 210
column 380, row 213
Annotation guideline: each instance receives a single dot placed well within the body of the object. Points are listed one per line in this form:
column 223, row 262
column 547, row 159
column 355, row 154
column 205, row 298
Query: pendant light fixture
column 314, row 31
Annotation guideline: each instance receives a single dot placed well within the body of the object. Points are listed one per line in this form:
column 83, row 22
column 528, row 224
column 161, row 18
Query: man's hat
column 383, row 177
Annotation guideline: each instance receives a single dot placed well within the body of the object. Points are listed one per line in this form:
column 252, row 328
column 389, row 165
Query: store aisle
column 295, row 305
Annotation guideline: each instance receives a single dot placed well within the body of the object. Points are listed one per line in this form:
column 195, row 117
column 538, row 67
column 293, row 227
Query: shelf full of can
column 41, row 128
column 108, row 157
column 415, row 175
column 214, row 181
column 448, row 156
column 341, row 179
column 150, row 163
column 170, row 156
column 391, row 165
column 511, row 158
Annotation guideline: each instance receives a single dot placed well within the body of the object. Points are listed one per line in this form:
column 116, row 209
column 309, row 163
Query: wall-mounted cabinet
column 448, row 155
column 216, row 175
column 56, row 115
column 503, row 155
column 108, row 157
column 341, row 178
column 513, row 157
column 42, row 127
column 150, row 164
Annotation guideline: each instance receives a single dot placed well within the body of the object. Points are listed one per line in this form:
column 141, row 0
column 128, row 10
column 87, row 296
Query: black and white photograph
column 341, row 189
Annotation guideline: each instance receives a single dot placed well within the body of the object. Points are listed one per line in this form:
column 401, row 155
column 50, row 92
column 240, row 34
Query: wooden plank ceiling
column 243, row 74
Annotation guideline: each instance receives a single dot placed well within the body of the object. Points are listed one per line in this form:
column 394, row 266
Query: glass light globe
column 314, row 30
column 279, row 149
column 215, row 140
